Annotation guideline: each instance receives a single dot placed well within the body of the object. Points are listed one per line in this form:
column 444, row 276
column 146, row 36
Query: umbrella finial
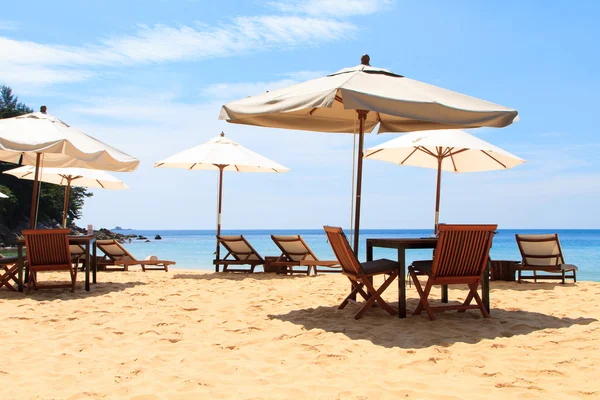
column 43, row 109
column 365, row 60
column 222, row 134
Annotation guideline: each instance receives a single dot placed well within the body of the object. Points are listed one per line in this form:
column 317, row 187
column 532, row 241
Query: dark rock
column 140, row 237
column 147, row 241
column 157, row 237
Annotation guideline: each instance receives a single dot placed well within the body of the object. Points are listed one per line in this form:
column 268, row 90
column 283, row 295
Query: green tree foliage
column 15, row 210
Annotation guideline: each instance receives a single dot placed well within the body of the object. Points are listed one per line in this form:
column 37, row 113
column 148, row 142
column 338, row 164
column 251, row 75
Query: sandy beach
column 188, row 334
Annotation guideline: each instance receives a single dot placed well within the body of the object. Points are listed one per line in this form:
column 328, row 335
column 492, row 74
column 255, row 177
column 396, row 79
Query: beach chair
column 542, row 253
column 361, row 274
column 239, row 252
column 460, row 257
column 115, row 255
column 9, row 266
column 48, row 250
column 296, row 253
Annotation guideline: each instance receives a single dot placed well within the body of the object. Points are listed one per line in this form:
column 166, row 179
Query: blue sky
column 149, row 78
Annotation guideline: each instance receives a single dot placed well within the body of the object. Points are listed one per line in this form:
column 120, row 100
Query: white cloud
column 35, row 75
column 334, row 8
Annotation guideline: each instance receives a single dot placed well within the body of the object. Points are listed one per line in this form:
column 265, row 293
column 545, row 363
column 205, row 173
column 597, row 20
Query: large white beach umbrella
column 369, row 96
column 449, row 150
column 36, row 138
column 68, row 177
column 222, row 154
column 3, row 196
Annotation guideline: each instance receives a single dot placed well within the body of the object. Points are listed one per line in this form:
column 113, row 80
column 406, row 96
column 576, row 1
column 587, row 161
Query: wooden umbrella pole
column 437, row 193
column 66, row 206
column 362, row 116
column 219, row 208
column 34, row 195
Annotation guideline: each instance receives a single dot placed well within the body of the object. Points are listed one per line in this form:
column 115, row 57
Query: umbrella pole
column 34, row 195
column 66, row 206
column 437, row 194
column 362, row 116
column 220, row 203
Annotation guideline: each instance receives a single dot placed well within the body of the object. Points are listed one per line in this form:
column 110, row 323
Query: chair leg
column 423, row 294
column 574, row 276
column 519, row 277
column 357, row 288
column 534, row 276
column 375, row 296
column 563, row 276
column 73, row 279
column 30, row 280
column 473, row 288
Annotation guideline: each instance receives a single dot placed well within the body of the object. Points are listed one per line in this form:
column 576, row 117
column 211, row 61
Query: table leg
column 87, row 267
column 485, row 287
column 401, row 284
column 21, row 266
column 444, row 293
column 94, row 263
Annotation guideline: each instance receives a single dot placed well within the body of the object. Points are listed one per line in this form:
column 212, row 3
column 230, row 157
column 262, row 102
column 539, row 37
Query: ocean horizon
column 194, row 249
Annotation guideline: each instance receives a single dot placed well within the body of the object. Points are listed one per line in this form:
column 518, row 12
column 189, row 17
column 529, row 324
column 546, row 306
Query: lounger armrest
column 568, row 267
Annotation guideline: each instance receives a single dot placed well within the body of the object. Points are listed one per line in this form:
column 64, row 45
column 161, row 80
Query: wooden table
column 403, row 244
column 88, row 242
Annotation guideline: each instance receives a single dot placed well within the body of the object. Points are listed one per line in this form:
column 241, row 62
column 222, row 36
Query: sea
column 194, row 249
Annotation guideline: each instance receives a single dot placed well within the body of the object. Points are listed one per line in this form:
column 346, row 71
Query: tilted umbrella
column 449, row 150
column 3, row 196
column 372, row 96
column 222, row 154
column 68, row 177
column 36, row 138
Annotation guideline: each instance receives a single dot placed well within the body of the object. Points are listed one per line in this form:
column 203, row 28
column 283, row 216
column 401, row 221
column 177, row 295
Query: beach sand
column 191, row 335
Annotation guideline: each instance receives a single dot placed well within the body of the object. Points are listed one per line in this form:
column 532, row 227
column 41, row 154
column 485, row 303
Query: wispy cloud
column 6, row 25
column 334, row 8
column 161, row 43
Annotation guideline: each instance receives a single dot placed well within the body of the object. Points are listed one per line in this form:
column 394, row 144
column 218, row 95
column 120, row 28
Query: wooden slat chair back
column 361, row 274
column 48, row 250
column 239, row 252
column 542, row 252
column 460, row 257
column 117, row 255
column 296, row 252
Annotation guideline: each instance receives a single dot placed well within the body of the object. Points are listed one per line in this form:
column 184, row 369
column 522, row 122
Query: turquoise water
column 194, row 249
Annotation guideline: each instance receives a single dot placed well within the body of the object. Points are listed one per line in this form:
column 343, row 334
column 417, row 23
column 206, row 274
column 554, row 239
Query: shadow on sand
column 64, row 294
column 449, row 327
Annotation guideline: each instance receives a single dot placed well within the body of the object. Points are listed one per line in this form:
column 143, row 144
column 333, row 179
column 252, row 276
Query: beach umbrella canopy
column 370, row 96
column 68, row 177
column 449, row 150
column 222, row 154
column 36, row 138
column 3, row 196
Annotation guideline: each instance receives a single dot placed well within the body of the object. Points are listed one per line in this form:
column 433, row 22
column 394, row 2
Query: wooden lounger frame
column 308, row 259
column 125, row 260
column 555, row 269
column 237, row 258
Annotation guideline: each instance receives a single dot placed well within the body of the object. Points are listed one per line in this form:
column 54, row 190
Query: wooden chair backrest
column 462, row 250
column 294, row 248
column 114, row 251
column 238, row 247
column 47, row 246
column 343, row 251
column 540, row 250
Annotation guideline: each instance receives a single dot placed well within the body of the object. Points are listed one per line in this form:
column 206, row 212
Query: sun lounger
column 542, row 253
column 116, row 255
column 361, row 274
column 460, row 257
column 296, row 253
column 239, row 252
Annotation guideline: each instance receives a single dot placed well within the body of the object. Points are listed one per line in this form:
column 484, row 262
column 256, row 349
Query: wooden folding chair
column 542, row 253
column 48, row 250
column 460, row 257
column 361, row 274
column 9, row 267
column 239, row 252
column 296, row 253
